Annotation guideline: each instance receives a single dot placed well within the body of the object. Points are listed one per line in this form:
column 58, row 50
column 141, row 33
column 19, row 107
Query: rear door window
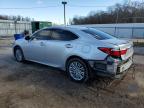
column 100, row 35
column 63, row 35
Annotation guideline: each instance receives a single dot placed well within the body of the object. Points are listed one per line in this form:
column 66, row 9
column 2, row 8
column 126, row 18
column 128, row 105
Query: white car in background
column 80, row 51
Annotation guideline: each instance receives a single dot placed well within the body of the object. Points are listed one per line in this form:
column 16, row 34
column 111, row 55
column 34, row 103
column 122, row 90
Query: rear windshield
column 98, row 34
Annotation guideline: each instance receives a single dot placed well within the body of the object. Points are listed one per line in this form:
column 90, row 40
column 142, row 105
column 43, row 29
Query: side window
column 56, row 34
column 43, row 35
column 63, row 35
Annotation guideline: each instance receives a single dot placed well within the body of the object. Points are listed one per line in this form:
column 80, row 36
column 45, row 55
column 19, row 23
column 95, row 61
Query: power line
column 17, row 8
column 77, row 6
column 30, row 7
column 70, row 5
column 87, row 6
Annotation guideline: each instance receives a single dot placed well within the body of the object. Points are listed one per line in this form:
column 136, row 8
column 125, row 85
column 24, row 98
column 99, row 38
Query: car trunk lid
column 129, row 47
column 122, row 45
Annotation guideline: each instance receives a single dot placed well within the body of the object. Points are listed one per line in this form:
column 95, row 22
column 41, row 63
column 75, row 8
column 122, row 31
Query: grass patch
column 6, row 41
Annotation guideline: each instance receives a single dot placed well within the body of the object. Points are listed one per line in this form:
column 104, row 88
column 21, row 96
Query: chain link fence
column 125, row 32
column 9, row 28
column 129, row 30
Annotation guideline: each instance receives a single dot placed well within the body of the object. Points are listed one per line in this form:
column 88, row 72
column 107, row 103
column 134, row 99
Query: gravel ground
column 31, row 85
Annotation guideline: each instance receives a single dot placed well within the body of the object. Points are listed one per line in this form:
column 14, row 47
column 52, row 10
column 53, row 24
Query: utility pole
column 129, row 2
column 64, row 3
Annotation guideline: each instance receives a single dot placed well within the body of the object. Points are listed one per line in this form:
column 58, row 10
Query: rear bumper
column 111, row 67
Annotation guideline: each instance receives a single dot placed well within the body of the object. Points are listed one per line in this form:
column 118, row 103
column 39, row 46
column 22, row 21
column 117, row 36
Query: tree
column 118, row 13
column 18, row 18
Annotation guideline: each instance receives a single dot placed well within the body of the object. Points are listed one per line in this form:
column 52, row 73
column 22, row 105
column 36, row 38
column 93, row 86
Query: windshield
column 100, row 35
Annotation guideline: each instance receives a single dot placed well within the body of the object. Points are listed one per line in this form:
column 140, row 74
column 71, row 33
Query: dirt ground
column 31, row 85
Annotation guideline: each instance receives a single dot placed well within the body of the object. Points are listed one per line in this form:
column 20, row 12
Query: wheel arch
column 75, row 56
column 89, row 74
column 15, row 47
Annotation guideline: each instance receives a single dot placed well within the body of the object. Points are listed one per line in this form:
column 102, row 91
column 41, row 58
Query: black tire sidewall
column 21, row 54
column 86, row 74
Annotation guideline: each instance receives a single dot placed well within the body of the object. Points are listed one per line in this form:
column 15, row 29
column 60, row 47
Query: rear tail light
column 112, row 52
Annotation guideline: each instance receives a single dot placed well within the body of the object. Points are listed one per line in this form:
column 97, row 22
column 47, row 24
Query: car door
column 61, row 41
column 36, row 47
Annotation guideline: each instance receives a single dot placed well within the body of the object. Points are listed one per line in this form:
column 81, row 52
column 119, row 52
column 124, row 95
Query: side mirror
column 27, row 38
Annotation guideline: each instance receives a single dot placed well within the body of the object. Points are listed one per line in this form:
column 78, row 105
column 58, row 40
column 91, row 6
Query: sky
column 53, row 9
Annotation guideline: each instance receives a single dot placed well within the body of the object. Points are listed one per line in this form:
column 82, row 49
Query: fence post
column 132, row 32
column 25, row 26
column 115, row 31
column 9, row 29
column 15, row 22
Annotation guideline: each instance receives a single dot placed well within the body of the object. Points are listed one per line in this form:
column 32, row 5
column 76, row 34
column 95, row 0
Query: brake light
column 112, row 52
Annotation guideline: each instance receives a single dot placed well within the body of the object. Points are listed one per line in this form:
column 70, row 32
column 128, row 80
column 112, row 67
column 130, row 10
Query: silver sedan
column 81, row 52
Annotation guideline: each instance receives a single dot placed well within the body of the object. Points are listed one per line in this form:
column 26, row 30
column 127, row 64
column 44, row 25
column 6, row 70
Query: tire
column 19, row 55
column 77, row 70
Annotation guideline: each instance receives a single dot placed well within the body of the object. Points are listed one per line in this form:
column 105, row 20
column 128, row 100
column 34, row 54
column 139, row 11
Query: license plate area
column 125, row 66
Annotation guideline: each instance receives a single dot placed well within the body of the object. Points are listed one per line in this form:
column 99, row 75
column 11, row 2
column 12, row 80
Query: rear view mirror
column 27, row 38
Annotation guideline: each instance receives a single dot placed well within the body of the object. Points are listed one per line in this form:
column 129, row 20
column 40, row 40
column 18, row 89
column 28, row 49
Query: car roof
column 67, row 27
column 74, row 29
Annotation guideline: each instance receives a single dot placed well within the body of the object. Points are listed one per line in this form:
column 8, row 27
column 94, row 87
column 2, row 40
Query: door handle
column 68, row 46
column 42, row 44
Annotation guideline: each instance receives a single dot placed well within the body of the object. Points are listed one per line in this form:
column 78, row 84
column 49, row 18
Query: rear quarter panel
column 86, row 50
